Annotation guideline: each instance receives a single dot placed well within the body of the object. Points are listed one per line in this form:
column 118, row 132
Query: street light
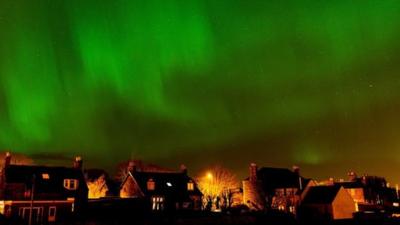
column 209, row 176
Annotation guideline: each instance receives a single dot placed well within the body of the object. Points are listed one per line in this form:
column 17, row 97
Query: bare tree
column 216, row 185
column 122, row 171
column 97, row 187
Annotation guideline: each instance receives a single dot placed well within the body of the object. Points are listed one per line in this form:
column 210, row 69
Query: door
column 52, row 214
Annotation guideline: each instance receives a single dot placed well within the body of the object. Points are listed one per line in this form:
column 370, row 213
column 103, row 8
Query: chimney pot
column 131, row 166
column 296, row 169
column 183, row 169
column 78, row 162
column 253, row 172
column 7, row 159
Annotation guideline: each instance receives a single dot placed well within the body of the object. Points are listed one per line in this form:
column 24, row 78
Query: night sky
column 201, row 82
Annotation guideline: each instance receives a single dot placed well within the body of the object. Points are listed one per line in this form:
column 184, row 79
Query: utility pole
column 32, row 197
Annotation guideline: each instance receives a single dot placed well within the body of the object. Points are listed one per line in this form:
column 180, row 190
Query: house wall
column 252, row 195
column 285, row 199
column 237, row 198
column 343, row 205
column 197, row 202
column 64, row 210
column 317, row 211
column 310, row 184
column 130, row 189
column 357, row 194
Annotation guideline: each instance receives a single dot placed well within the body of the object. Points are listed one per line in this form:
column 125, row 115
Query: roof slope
column 273, row 178
column 48, row 180
column 166, row 183
column 321, row 195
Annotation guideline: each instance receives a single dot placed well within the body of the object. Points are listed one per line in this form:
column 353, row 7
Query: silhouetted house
column 377, row 191
column 355, row 189
column 165, row 191
column 274, row 188
column 52, row 193
column 370, row 192
column 327, row 203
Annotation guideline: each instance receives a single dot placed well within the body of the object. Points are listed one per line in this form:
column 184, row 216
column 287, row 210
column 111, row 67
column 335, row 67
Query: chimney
column 296, row 170
column 7, row 159
column 253, row 172
column 183, row 169
column 78, row 163
column 352, row 176
column 131, row 167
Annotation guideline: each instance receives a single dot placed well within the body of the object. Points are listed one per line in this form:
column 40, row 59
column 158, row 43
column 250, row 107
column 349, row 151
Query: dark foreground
column 208, row 219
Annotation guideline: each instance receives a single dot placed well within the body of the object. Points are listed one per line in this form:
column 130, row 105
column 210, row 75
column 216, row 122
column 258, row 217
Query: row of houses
column 286, row 190
column 46, row 194
column 43, row 194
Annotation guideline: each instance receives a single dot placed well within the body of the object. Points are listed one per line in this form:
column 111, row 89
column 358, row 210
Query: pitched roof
column 321, row 194
column 166, row 183
column 273, row 178
column 24, row 173
column 350, row 184
column 47, row 179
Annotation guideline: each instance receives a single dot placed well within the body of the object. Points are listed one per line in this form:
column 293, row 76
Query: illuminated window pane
column 157, row 203
column 71, row 184
column 151, row 185
column 190, row 186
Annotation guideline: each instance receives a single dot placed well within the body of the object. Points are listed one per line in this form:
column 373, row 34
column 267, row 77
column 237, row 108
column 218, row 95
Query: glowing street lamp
column 209, row 176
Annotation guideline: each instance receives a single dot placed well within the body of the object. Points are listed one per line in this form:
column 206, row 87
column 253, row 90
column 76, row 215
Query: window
column 37, row 214
column 71, row 184
column 151, row 185
column 2, row 207
column 52, row 214
column 190, row 186
column 157, row 203
column 45, row 176
column 27, row 193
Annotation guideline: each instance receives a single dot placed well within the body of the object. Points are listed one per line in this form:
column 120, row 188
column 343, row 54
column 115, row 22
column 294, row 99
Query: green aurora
column 313, row 83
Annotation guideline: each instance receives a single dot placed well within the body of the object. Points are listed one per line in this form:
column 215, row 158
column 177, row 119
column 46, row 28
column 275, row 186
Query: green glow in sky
column 314, row 81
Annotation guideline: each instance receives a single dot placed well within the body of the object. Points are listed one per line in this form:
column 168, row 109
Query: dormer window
column 151, row 185
column 190, row 186
column 71, row 184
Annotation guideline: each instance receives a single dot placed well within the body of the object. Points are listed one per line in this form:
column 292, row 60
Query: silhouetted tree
column 215, row 184
column 98, row 187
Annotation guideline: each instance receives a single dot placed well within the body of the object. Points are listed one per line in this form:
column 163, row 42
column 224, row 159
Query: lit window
column 45, row 176
column 190, row 186
column 2, row 207
column 151, row 185
column 71, row 184
column 157, row 203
